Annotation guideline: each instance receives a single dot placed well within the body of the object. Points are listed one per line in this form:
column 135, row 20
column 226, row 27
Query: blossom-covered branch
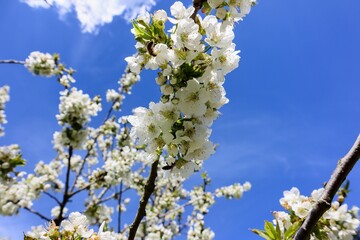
column 343, row 168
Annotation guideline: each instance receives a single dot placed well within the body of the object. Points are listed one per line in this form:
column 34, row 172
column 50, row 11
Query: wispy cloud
column 94, row 13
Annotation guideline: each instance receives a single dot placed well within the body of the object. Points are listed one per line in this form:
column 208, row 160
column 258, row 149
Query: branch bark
column 337, row 178
column 197, row 4
column 67, row 195
column 148, row 190
column 11, row 61
column 38, row 214
column 119, row 207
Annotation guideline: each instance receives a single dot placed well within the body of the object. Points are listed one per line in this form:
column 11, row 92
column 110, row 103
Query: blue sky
column 293, row 109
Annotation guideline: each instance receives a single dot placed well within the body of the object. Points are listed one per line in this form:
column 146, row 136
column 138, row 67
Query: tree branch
column 197, row 4
column 148, row 190
column 337, row 178
column 38, row 214
column 66, row 191
column 11, row 61
column 52, row 197
column 119, row 207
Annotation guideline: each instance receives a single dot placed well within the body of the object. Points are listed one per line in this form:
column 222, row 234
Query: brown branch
column 71, row 194
column 119, row 206
column 67, row 196
column 38, row 214
column 11, row 61
column 148, row 190
column 197, row 4
column 52, row 197
column 337, row 178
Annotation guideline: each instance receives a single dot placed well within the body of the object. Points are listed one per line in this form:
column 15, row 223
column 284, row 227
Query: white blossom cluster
column 10, row 157
column 233, row 191
column 4, row 97
column 115, row 98
column 193, row 61
column 76, row 227
column 65, row 80
column 45, row 64
column 197, row 228
column 106, row 162
column 233, row 9
column 20, row 190
column 42, row 64
column 339, row 222
column 76, row 109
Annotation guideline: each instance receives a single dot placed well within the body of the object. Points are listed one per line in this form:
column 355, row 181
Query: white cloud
column 94, row 13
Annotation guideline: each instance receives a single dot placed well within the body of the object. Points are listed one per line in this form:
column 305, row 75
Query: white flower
column 193, row 98
column 186, row 170
column 144, row 126
column 65, row 80
column 160, row 15
column 180, row 12
column 302, row 209
column 291, row 198
column 135, row 63
column 145, row 17
column 77, row 223
column 283, row 219
column 162, row 54
column 226, row 59
column 187, row 35
column 217, row 34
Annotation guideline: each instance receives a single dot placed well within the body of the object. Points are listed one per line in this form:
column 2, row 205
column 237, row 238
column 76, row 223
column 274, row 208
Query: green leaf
column 261, row 233
column 270, row 229
column 278, row 231
column 292, row 230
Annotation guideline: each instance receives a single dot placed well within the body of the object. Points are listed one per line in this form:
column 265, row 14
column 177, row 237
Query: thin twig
column 52, row 197
column 342, row 169
column 71, row 194
column 148, row 190
column 119, row 206
column 38, row 214
column 11, row 61
column 66, row 196
column 48, row 3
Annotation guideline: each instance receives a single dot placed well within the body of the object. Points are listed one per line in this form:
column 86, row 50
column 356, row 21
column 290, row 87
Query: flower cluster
column 45, row 64
column 193, row 61
column 10, row 158
column 76, row 109
column 197, row 229
column 233, row 191
column 65, row 80
column 42, row 64
column 111, row 160
column 4, row 97
column 20, row 190
column 233, row 10
column 339, row 222
column 76, row 227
